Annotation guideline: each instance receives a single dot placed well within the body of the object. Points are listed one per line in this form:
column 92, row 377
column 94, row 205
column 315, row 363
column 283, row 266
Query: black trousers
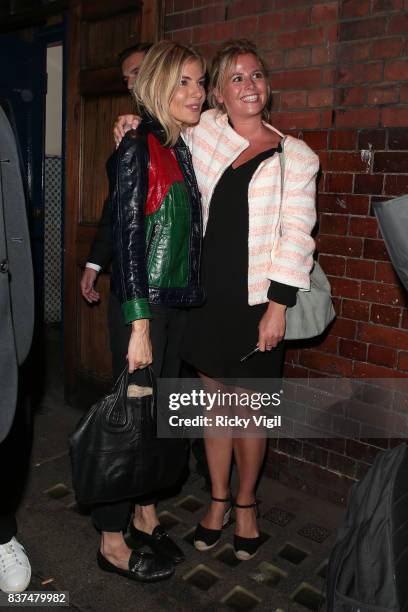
column 14, row 464
column 8, row 525
column 166, row 332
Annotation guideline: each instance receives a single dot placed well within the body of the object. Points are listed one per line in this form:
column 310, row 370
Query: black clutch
column 115, row 451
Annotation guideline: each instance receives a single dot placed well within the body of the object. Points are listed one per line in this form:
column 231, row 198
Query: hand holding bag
column 115, row 451
column 313, row 310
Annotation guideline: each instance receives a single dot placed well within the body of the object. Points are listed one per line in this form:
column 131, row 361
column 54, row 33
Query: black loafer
column 159, row 541
column 143, row 567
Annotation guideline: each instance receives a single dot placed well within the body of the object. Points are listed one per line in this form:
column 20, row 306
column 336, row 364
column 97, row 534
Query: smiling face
column 189, row 95
column 130, row 67
column 244, row 92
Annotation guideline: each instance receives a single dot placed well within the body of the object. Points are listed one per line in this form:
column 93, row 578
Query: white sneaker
column 15, row 568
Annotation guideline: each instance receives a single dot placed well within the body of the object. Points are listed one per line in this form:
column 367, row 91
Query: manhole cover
column 278, row 516
column 314, row 532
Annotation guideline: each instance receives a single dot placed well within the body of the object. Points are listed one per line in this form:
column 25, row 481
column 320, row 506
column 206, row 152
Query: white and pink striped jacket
column 285, row 257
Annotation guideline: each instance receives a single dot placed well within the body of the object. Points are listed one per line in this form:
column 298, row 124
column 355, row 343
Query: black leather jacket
column 157, row 225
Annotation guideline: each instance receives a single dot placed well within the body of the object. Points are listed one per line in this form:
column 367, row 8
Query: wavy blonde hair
column 158, row 77
column 223, row 65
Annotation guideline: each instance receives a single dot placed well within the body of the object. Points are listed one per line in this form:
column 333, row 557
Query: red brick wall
column 339, row 73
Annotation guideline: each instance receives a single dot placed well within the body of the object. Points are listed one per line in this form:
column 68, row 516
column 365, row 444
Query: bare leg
column 114, row 549
column 145, row 518
column 219, row 456
column 249, row 456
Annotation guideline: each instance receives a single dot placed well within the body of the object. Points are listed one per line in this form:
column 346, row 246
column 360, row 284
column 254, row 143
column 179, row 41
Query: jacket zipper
column 151, row 240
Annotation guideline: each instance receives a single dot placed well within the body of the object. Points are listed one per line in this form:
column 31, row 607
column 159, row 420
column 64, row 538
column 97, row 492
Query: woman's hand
column 140, row 348
column 123, row 124
column 272, row 326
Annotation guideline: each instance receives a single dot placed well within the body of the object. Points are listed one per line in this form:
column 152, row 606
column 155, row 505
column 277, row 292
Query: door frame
column 82, row 385
column 45, row 36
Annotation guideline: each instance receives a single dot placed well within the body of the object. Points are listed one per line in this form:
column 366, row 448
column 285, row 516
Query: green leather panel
column 168, row 240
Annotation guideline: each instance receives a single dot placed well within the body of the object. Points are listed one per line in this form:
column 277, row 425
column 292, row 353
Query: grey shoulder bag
column 392, row 217
column 313, row 310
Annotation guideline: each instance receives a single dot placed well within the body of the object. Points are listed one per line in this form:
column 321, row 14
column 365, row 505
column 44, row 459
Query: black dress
column 225, row 328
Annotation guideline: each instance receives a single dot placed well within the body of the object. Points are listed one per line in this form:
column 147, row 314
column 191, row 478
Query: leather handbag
column 314, row 310
column 115, row 451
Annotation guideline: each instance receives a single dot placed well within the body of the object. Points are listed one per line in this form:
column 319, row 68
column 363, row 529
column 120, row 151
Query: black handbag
column 115, row 451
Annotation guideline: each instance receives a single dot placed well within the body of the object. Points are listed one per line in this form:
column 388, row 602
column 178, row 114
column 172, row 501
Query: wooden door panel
column 106, row 38
column 98, row 116
column 92, row 339
column 99, row 31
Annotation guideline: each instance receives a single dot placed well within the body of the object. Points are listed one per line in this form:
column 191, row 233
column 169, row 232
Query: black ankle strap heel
column 246, row 548
column 204, row 538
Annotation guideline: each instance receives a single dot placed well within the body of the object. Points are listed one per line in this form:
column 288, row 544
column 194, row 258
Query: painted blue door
column 23, row 86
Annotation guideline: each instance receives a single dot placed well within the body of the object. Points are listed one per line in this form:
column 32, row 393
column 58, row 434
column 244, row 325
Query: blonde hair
column 222, row 67
column 158, row 77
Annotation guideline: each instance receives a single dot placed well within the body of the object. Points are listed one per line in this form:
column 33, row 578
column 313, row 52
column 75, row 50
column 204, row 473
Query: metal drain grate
column 309, row 597
column 293, row 554
column 314, row 532
column 202, row 577
column 240, row 600
column 278, row 516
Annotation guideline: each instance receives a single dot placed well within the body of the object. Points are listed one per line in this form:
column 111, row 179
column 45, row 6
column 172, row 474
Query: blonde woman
column 157, row 230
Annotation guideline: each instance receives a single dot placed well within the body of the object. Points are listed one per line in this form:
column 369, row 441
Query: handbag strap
column 120, row 388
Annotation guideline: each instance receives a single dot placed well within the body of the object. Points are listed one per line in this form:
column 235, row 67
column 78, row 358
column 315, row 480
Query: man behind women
column 157, row 232
column 100, row 254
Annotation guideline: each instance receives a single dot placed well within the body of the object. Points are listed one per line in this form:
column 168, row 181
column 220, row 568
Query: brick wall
column 339, row 73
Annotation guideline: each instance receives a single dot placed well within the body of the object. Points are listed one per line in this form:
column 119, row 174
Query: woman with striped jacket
column 255, row 258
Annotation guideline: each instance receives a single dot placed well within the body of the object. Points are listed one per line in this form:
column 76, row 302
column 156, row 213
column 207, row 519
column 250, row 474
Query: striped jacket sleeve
column 292, row 258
